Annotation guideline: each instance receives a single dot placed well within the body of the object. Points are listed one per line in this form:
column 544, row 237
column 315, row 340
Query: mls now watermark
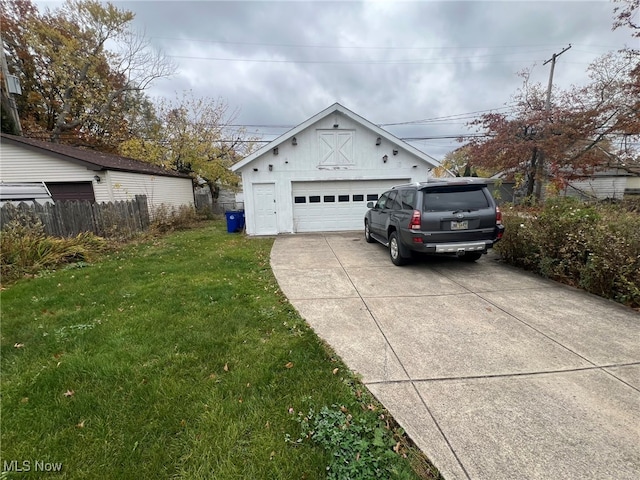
column 31, row 466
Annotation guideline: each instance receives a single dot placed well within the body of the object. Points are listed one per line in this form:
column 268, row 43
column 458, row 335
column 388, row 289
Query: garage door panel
column 341, row 206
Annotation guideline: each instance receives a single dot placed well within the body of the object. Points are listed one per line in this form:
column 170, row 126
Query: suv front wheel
column 367, row 233
column 394, row 250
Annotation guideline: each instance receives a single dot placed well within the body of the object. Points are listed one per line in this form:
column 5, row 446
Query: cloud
column 282, row 62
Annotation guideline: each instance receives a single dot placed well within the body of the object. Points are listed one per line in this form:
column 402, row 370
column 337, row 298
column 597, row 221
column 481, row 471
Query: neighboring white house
column 615, row 182
column 320, row 175
column 72, row 173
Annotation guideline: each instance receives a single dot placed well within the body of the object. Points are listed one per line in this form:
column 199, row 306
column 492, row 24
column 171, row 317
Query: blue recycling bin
column 235, row 221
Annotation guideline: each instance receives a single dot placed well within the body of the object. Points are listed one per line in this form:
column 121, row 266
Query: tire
column 472, row 256
column 367, row 233
column 394, row 251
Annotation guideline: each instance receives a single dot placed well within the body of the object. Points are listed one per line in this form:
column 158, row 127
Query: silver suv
column 449, row 216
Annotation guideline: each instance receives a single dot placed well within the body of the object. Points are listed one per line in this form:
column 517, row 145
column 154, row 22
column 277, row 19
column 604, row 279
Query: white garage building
column 320, row 175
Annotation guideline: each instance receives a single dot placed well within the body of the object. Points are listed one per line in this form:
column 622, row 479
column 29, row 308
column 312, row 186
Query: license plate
column 464, row 225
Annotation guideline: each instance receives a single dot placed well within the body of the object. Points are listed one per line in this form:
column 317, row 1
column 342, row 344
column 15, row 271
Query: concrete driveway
column 494, row 373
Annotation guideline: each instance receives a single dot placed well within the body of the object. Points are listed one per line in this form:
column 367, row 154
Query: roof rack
column 446, row 181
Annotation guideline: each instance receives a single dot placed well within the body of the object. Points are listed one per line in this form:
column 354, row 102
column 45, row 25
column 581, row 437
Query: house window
column 343, row 198
column 329, row 198
column 358, row 198
column 314, row 199
column 300, row 199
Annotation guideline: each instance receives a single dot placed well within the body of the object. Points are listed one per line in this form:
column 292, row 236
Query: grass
column 176, row 358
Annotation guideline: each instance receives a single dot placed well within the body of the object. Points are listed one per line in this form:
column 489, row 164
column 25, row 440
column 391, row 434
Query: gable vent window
column 335, row 147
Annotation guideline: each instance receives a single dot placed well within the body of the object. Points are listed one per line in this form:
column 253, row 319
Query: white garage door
column 335, row 206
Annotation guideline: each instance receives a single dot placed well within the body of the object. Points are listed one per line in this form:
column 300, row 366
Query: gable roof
column 336, row 107
column 91, row 159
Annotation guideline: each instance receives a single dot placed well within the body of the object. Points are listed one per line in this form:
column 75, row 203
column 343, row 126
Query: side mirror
column 370, row 205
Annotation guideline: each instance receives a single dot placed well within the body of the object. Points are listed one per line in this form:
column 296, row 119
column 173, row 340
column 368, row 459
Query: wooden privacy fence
column 65, row 219
column 225, row 201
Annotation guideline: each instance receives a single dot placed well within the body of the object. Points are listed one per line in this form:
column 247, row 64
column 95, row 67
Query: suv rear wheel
column 394, row 250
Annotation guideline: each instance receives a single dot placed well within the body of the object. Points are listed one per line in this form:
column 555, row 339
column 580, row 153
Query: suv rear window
column 454, row 198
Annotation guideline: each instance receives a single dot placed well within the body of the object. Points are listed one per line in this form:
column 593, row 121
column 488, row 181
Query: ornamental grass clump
column 25, row 249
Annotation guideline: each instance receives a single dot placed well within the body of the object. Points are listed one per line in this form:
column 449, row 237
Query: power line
column 354, row 62
column 458, row 116
column 431, row 120
column 345, row 47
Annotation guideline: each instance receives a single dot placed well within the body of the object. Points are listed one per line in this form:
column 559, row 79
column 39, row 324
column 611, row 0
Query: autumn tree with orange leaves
column 585, row 128
column 81, row 68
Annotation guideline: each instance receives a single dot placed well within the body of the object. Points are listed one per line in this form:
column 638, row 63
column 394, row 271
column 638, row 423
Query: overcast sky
column 280, row 63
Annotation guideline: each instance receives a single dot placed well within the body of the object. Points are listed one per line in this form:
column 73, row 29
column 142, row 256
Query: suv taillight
column 416, row 220
column 498, row 216
column 499, row 227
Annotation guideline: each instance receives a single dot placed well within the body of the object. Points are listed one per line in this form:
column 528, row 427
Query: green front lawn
column 176, row 358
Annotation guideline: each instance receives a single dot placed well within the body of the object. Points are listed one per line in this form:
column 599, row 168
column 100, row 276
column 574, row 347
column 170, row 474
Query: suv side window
column 408, row 199
column 392, row 203
column 382, row 201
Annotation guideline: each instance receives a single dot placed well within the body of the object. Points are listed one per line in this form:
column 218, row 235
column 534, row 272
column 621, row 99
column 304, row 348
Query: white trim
column 336, row 107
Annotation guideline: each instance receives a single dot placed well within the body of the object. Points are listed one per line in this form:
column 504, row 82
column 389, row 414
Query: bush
column 591, row 246
column 168, row 219
column 25, row 249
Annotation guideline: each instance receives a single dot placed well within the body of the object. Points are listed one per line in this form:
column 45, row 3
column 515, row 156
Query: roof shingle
column 93, row 159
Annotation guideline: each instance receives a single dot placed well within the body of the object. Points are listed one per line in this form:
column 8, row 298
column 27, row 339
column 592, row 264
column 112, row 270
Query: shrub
column 612, row 267
column 517, row 246
column 26, row 249
column 564, row 228
column 592, row 246
column 168, row 219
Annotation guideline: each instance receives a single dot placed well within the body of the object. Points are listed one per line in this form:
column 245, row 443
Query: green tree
column 460, row 163
column 194, row 136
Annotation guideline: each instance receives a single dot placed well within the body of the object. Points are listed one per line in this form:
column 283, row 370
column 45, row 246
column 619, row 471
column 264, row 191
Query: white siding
column 633, row 182
column 169, row 191
column 599, row 187
column 19, row 164
column 361, row 160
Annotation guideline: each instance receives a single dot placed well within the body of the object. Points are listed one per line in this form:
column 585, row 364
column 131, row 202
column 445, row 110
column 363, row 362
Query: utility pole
column 547, row 107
